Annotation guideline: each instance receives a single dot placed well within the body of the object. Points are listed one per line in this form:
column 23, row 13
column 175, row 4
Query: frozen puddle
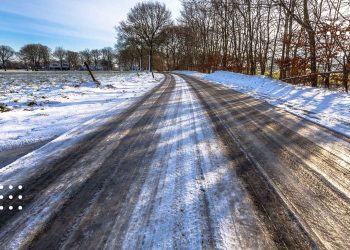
column 191, row 196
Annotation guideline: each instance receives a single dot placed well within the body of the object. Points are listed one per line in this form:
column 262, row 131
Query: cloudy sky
column 73, row 24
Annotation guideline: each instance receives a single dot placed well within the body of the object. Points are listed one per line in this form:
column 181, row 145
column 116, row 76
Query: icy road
column 190, row 165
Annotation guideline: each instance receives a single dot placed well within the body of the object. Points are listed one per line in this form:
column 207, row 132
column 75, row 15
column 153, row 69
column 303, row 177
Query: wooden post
column 92, row 76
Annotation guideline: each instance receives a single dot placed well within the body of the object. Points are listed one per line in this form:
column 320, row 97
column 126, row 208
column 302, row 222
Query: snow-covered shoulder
column 43, row 105
column 326, row 107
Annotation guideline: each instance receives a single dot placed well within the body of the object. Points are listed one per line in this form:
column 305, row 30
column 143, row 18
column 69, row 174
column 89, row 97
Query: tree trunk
column 275, row 43
column 313, row 57
column 346, row 69
column 289, row 41
column 4, row 65
column 346, row 80
column 327, row 77
column 284, row 45
column 312, row 44
column 151, row 60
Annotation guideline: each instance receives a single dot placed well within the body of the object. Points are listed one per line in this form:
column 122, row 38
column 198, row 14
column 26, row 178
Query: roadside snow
column 45, row 105
column 325, row 107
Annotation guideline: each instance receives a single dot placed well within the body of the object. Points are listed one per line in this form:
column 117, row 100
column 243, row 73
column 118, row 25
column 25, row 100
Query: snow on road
column 44, row 105
column 192, row 196
column 325, row 107
column 159, row 176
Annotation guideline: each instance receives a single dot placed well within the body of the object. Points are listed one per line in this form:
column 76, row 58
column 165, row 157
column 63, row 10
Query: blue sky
column 72, row 24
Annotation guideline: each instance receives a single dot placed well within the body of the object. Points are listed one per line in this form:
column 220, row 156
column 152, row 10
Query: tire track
column 199, row 201
column 275, row 150
column 86, row 163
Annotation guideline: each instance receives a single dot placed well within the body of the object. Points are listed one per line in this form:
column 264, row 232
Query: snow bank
column 45, row 105
column 325, row 107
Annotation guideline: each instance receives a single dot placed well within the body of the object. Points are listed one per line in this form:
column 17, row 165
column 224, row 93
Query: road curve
column 190, row 165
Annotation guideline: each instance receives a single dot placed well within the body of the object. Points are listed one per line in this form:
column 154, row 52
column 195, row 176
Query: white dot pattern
column 11, row 197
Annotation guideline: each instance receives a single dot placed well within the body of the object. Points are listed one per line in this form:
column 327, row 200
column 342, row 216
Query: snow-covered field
column 43, row 105
column 325, row 107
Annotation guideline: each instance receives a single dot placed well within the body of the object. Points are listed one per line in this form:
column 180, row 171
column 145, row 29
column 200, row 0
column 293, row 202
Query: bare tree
column 147, row 22
column 95, row 53
column 107, row 57
column 302, row 17
column 73, row 59
column 85, row 56
column 29, row 54
column 6, row 52
column 23, row 59
column 37, row 55
column 60, row 54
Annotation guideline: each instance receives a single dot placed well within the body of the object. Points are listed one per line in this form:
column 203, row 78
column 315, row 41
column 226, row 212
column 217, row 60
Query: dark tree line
column 38, row 57
column 280, row 38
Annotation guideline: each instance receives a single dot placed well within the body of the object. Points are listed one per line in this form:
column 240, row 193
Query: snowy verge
column 325, row 107
column 26, row 165
column 57, row 193
column 45, row 105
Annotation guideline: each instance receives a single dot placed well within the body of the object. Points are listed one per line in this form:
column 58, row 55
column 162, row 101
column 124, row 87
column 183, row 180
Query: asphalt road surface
column 191, row 165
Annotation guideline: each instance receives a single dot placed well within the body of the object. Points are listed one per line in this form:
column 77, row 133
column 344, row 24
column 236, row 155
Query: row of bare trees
column 280, row 38
column 38, row 56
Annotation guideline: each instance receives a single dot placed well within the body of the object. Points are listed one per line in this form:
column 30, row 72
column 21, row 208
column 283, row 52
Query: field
column 38, row 106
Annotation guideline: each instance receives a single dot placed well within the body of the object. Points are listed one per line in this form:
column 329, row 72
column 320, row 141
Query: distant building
column 57, row 66
column 94, row 68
